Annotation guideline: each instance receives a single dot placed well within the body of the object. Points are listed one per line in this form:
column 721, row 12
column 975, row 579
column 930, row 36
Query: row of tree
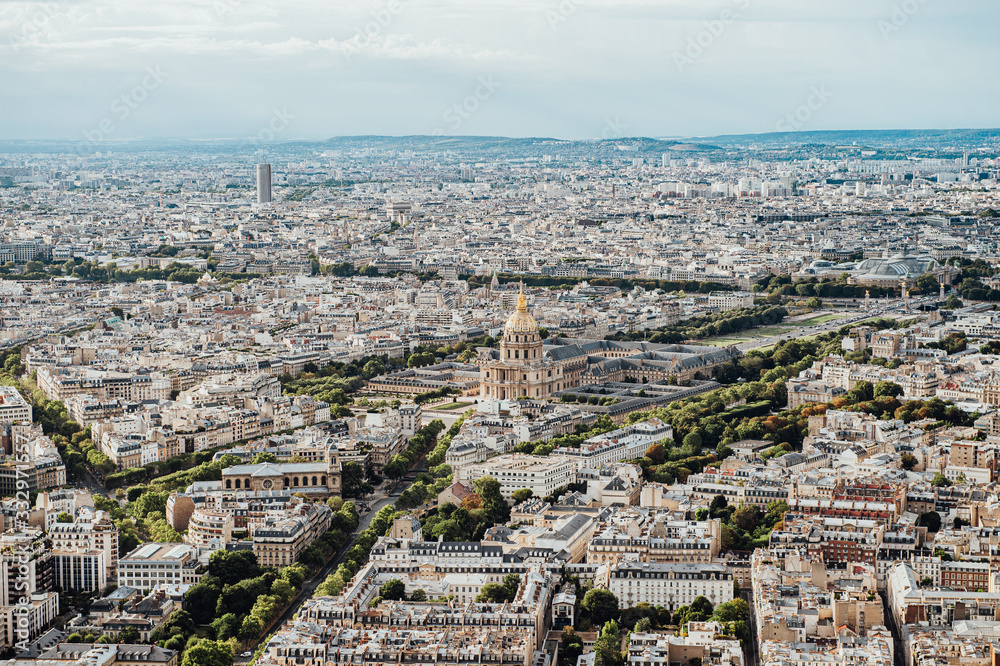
column 708, row 326
column 358, row 554
column 420, row 443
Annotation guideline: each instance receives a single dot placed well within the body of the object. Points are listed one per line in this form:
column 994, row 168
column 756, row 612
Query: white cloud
column 394, row 66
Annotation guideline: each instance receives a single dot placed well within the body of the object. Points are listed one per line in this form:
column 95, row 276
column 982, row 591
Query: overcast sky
column 570, row 69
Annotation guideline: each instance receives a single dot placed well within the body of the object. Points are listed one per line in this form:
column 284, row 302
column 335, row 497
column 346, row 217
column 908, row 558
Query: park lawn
column 451, row 406
column 724, row 342
column 822, row 319
column 768, row 331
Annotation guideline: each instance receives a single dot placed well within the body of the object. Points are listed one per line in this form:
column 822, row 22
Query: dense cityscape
column 436, row 400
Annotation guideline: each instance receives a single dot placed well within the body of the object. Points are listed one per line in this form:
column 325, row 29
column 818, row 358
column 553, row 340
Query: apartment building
column 515, row 471
column 64, row 383
column 89, row 531
column 629, row 443
column 80, row 570
column 668, row 584
column 654, row 536
column 154, row 564
column 281, row 536
column 13, row 407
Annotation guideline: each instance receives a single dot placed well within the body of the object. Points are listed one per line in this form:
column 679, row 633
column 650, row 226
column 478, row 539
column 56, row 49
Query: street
column 309, row 587
column 753, row 653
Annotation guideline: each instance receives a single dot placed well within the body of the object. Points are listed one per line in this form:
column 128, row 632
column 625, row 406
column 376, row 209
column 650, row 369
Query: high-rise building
column 263, row 183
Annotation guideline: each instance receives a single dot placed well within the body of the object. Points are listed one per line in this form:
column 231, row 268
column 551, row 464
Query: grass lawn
column 822, row 319
column 768, row 331
column 451, row 406
column 723, row 342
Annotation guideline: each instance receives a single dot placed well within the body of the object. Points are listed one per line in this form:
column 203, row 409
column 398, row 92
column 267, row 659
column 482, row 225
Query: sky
column 312, row 69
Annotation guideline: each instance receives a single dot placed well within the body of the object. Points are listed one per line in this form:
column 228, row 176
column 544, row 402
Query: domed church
column 527, row 367
column 523, row 368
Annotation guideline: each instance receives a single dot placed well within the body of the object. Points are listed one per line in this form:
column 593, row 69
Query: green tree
column 863, row 391
column 396, row 468
column 656, row 454
column 608, row 646
column 746, row 517
column 264, row 457
column 150, row 502
column 908, row 461
column 251, row 628
column 943, row 554
column 702, row 605
column 226, row 626
column 295, row 575
column 928, row 284
column 493, row 593
column 64, row 517
column 496, row 507
column 887, row 389
column 521, row 495
column 719, row 502
column 203, row 597
column 571, row 647
column 692, row 443
column 128, row 636
column 283, row 589
column 731, row 611
column 601, row 606
column 233, row 566
column 940, row 480
column 953, row 302
column 352, row 479
column 394, row 590
column 931, row 520
column 373, row 368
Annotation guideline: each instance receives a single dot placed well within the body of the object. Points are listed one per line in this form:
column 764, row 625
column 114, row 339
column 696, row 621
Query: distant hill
column 515, row 146
column 888, row 143
column 899, row 139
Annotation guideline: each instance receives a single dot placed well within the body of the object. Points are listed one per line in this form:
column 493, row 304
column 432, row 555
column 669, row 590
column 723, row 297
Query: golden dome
column 521, row 321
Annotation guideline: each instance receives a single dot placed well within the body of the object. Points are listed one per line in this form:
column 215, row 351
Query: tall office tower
column 263, row 183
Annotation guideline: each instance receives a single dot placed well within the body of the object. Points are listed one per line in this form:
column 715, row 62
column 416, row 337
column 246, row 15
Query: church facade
column 524, row 367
